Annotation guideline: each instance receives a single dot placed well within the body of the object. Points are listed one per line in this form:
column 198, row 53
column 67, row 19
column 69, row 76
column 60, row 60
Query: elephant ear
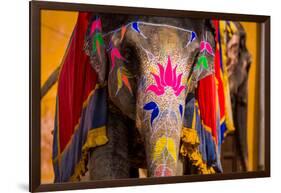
column 204, row 47
column 123, row 68
column 95, row 48
column 204, row 62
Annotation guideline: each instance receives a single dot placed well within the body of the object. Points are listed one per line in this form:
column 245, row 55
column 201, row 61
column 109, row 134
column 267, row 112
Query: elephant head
column 152, row 65
column 238, row 60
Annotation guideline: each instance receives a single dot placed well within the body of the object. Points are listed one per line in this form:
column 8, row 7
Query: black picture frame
column 35, row 94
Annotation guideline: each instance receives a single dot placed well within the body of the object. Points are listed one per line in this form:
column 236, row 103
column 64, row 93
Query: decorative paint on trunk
column 164, row 108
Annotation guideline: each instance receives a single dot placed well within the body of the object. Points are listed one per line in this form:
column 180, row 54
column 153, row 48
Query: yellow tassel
column 189, row 149
column 189, row 135
column 96, row 137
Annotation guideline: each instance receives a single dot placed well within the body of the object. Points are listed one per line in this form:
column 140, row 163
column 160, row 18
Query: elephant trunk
column 161, row 100
column 162, row 145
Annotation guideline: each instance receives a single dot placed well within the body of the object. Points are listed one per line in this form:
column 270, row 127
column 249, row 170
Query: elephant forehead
column 163, row 40
column 166, row 39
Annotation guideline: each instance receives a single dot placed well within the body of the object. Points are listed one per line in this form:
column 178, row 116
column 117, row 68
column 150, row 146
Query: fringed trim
column 189, row 148
column 96, row 137
column 190, row 136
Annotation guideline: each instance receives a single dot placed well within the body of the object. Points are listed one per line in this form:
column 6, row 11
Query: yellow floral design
column 162, row 144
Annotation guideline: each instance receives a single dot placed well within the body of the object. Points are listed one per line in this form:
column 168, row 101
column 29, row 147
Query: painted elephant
column 150, row 68
column 147, row 73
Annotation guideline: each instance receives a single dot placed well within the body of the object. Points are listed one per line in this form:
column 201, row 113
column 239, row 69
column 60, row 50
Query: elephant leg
column 110, row 161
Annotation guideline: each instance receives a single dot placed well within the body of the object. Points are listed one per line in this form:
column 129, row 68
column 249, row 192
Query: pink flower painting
column 167, row 78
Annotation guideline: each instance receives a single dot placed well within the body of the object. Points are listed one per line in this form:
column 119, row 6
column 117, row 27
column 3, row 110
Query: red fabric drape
column 218, row 73
column 206, row 97
column 77, row 79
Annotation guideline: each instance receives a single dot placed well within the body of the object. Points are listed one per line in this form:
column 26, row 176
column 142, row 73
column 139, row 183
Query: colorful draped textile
column 226, row 120
column 198, row 142
column 207, row 125
column 80, row 110
column 208, row 116
column 202, row 117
